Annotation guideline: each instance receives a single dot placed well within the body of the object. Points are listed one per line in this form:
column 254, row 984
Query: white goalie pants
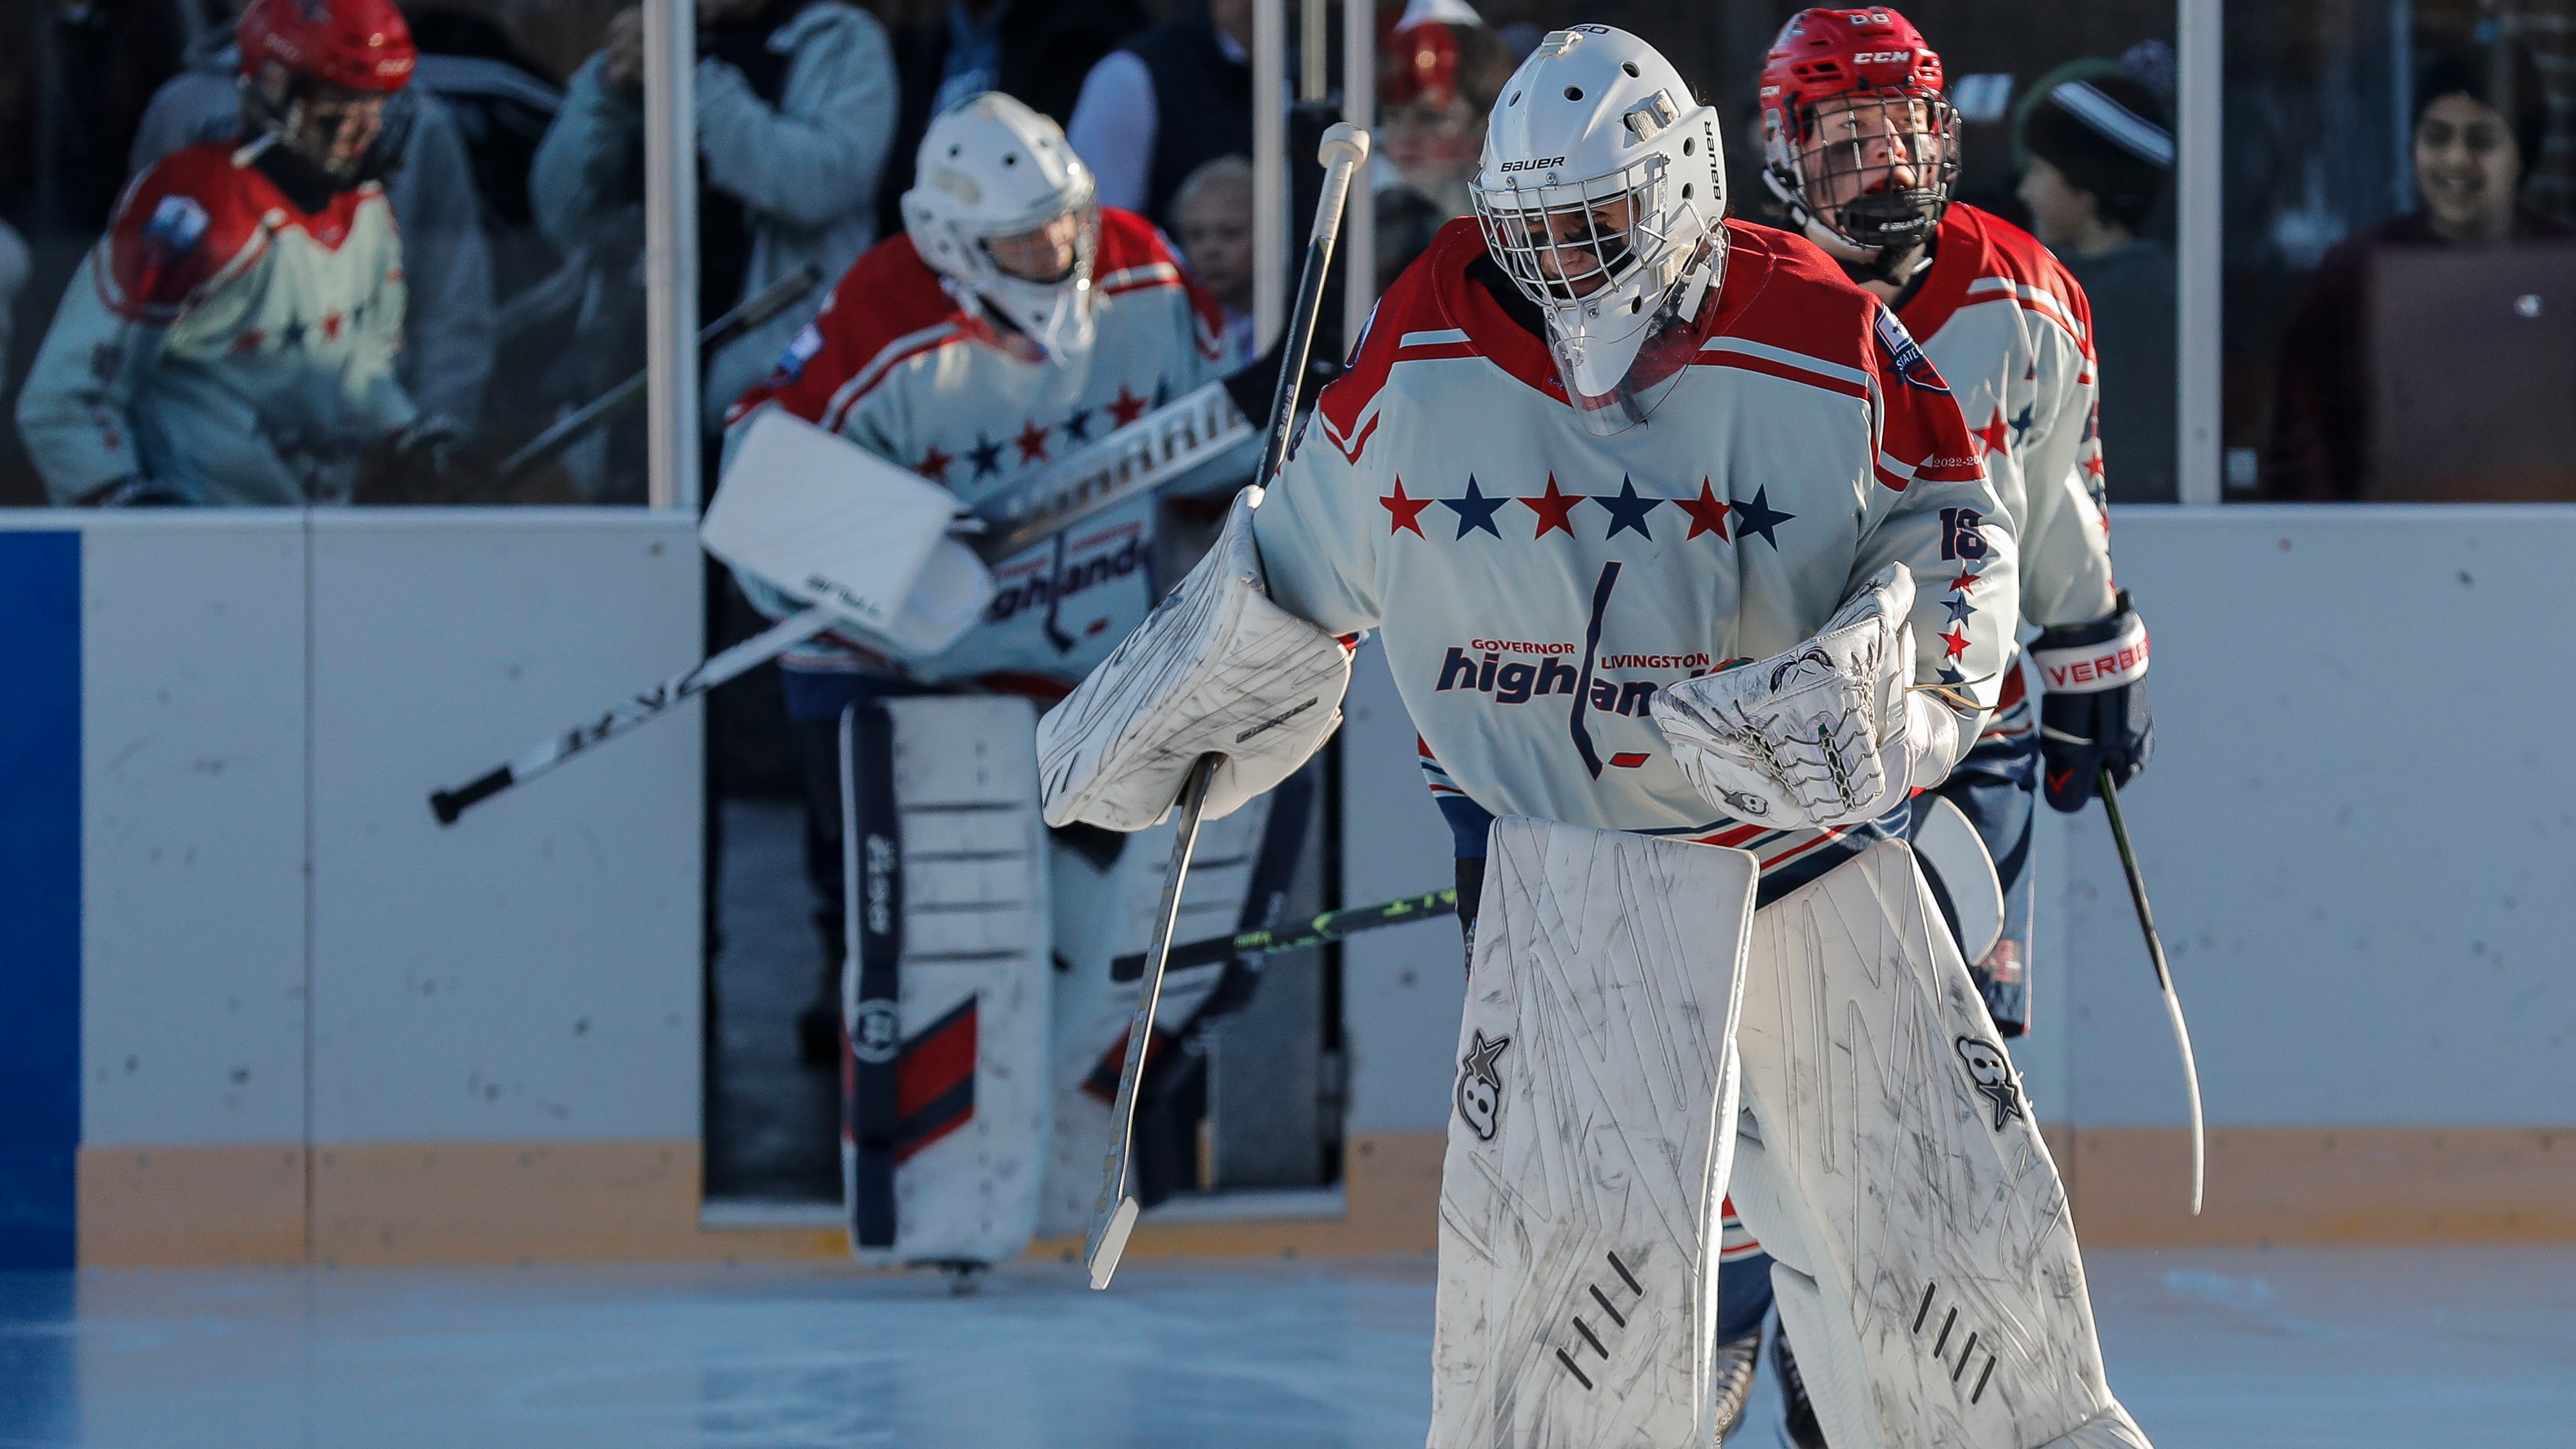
column 1634, row 1034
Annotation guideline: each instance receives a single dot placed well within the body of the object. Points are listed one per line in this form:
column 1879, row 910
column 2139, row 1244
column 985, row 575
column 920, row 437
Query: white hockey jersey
column 1534, row 584
column 2011, row 333
column 894, row 363
column 223, row 341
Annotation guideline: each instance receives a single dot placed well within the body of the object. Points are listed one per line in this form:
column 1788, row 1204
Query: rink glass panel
column 506, row 329
column 2362, row 358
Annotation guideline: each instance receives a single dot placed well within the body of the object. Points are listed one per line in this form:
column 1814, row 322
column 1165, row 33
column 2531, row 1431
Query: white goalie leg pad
column 972, row 1013
column 1216, row 668
column 1590, row 1126
column 1925, row 1263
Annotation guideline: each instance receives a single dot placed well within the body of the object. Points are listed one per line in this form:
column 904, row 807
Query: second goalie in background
column 1013, row 321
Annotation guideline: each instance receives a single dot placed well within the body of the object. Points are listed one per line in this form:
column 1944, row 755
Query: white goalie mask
column 1601, row 192
column 997, row 184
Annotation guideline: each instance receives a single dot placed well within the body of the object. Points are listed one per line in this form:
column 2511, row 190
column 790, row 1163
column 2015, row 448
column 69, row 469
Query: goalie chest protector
column 945, row 996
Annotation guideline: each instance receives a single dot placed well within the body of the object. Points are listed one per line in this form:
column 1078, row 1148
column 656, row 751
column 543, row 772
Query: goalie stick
column 1344, row 147
column 1162, row 447
column 2164, row 975
column 1330, row 926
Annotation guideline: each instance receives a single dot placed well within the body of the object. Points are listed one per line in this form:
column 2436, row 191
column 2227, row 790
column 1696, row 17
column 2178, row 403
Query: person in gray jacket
column 795, row 113
column 447, row 262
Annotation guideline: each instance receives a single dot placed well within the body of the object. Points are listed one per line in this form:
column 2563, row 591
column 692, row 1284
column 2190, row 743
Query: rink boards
column 256, row 1007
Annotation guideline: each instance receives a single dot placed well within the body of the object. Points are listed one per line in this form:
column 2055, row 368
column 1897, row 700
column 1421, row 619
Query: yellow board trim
column 565, row 1202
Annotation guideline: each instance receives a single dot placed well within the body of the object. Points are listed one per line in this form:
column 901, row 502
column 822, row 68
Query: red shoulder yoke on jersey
column 195, row 218
column 1784, row 310
column 1980, row 257
column 891, row 306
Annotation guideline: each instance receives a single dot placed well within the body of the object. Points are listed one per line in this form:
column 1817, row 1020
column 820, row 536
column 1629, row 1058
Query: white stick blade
column 1113, row 1242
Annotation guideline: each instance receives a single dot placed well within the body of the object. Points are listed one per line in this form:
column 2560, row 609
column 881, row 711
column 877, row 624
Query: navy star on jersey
column 1759, row 517
column 2021, row 425
column 1628, row 510
column 986, row 455
column 1959, row 609
column 1475, row 510
column 1077, row 424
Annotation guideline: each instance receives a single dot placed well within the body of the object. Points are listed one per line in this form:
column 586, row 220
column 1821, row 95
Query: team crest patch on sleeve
column 177, row 225
column 800, row 350
column 1992, row 1075
column 1908, row 358
column 1480, row 1086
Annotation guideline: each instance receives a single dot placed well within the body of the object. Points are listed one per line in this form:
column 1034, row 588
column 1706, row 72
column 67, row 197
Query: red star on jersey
column 1554, row 509
column 331, row 327
column 1964, row 582
column 2093, row 466
column 1032, row 441
column 1126, row 407
column 248, row 341
column 1993, row 434
column 1707, row 515
column 1954, row 643
column 934, row 465
column 1402, row 511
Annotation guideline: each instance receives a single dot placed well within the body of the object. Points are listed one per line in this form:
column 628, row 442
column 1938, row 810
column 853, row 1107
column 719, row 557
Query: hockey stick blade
column 1328, row 927
column 1114, row 1215
column 2164, row 979
column 643, row 709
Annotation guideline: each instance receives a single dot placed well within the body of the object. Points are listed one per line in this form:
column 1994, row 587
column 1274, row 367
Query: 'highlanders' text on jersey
column 897, row 365
column 1534, row 584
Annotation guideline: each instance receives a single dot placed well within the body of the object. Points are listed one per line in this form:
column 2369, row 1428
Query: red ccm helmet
column 294, row 50
column 1858, row 141
column 357, row 45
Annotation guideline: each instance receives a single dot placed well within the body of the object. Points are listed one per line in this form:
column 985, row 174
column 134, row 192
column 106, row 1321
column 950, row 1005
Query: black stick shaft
column 773, row 299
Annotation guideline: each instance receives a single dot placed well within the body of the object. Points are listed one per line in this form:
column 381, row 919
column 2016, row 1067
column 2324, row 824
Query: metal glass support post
column 1359, row 222
column 2200, row 247
column 671, row 253
column 1269, row 170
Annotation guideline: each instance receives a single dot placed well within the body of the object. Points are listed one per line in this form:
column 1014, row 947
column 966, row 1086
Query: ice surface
column 2347, row 1348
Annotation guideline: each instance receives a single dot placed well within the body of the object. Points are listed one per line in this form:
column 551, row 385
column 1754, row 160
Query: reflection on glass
column 2424, row 355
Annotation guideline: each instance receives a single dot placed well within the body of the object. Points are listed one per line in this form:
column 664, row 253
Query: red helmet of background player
column 1846, row 192
column 357, row 45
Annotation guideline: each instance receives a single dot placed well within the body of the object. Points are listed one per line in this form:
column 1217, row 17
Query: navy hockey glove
column 2095, row 711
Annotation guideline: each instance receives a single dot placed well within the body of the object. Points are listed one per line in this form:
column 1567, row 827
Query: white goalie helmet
column 997, row 177
column 1601, row 193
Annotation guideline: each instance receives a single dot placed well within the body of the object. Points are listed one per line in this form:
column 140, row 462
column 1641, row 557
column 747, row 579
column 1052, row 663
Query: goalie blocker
column 1835, row 1074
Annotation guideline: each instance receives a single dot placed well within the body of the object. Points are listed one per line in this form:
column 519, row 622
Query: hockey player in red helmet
column 1861, row 147
column 231, row 340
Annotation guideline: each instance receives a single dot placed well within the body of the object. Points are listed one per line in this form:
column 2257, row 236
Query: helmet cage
column 1881, row 219
column 1548, row 236
column 1055, row 316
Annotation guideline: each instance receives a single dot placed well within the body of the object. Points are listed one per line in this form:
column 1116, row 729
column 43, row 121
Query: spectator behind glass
column 1199, row 67
column 2473, row 147
column 1438, row 76
column 795, row 107
column 2098, row 150
column 447, row 262
column 1213, row 209
column 1037, row 51
column 231, row 339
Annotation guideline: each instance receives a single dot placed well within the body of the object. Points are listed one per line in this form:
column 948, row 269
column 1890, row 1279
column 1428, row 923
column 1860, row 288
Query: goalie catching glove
column 1826, row 734
column 1216, row 668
